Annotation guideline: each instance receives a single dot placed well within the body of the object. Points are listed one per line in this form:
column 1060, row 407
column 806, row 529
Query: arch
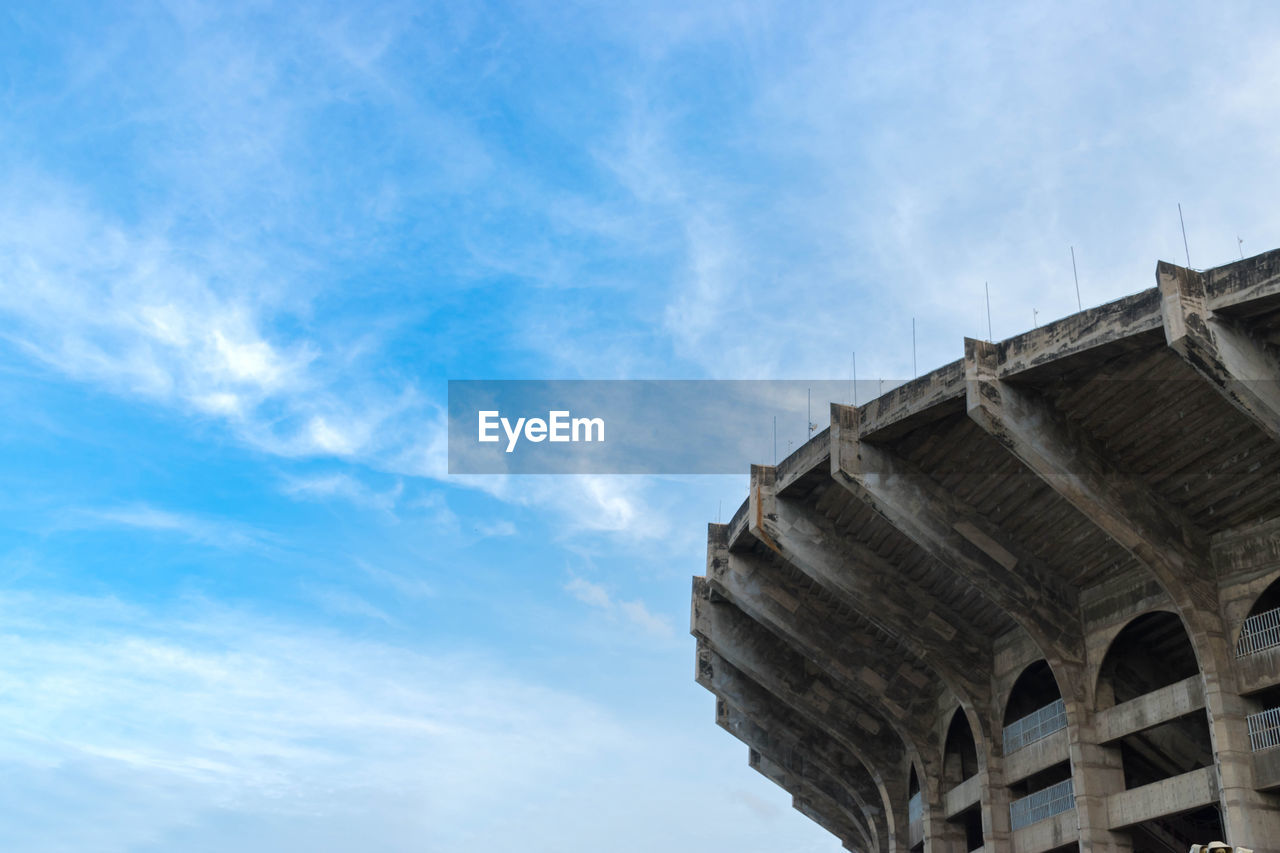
column 959, row 751
column 1151, row 651
column 1034, row 688
column 1258, row 632
column 1268, row 599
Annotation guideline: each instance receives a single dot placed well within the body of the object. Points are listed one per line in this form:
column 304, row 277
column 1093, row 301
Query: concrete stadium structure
column 1029, row 601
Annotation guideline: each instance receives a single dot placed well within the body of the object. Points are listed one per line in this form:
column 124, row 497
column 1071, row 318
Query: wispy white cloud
column 857, row 182
column 203, row 725
column 204, row 530
column 498, row 527
column 345, row 487
column 403, row 584
column 344, row 602
column 631, row 611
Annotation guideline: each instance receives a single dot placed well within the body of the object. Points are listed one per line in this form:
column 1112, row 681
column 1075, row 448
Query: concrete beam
column 873, row 586
column 1245, row 371
column 1097, row 330
column 1245, row 287
column 806, row 798
column 1072, row 464
column 768, row 592
column 1036, row 756
column 813, row 454
column 786, row 675
column 813, row 811
column 924, row 399
column 1166, row 797
column 1159, row 706
column 958, row 537
column 781, row 658
column 808, row 811
column 1050, row 834
column 736, row 689
column 964, row 796
column 795, row 680
column 802, row 766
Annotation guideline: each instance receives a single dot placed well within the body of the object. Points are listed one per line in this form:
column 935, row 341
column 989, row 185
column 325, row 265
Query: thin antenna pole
column 775, row 441
column 914, row 371
column 809, row 415
column 987, row 287
column 719, row 506
column 1240, row 244
column 1184, row 235
column 1034, row 322
column 855, row 377
column 1076, row 276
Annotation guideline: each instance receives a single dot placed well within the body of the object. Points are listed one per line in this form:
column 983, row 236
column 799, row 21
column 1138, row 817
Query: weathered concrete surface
column 817, row 775
column 965, row 795
column 1169, row 796
column 1152, row 709
column 935, row 633
column 1036, row 756
column 1245, row 288
column 1057, row 831
column 1240, row 368
column 736, row 689
column 1266, row 770
column 819, row 807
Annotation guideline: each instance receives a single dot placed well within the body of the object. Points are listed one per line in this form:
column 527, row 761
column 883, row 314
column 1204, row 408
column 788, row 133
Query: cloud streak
column 205, row 725
column 632, row 611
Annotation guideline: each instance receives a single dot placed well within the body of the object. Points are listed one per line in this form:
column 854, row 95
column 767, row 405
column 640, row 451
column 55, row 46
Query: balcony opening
column 960, row 762
column 969, row 823
column 1264, row 719
column 1167, row 750
column 960, row 754
column 1261, row 629
column 1176, row 833
column 1035, row 709
column 1041, row 796
column 1152, row 651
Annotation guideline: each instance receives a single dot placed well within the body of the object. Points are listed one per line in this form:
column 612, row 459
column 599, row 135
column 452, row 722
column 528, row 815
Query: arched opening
column 1165, row 834
column 1035, row 711
column 1261, row 628
column 1035, row 688
column 1151, row 665
column 960, row 753
column 960, row 763
column 1152, row 651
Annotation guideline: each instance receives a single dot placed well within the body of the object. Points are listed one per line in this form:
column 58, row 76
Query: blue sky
column 244, row 245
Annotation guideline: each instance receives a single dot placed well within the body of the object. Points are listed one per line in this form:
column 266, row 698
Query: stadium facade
column 1029, row 601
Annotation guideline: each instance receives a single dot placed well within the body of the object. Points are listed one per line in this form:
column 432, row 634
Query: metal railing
column 1264, row 729
column 1259, row 633
column 1036, row 725
column 1043, row 804
column 915, row 820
